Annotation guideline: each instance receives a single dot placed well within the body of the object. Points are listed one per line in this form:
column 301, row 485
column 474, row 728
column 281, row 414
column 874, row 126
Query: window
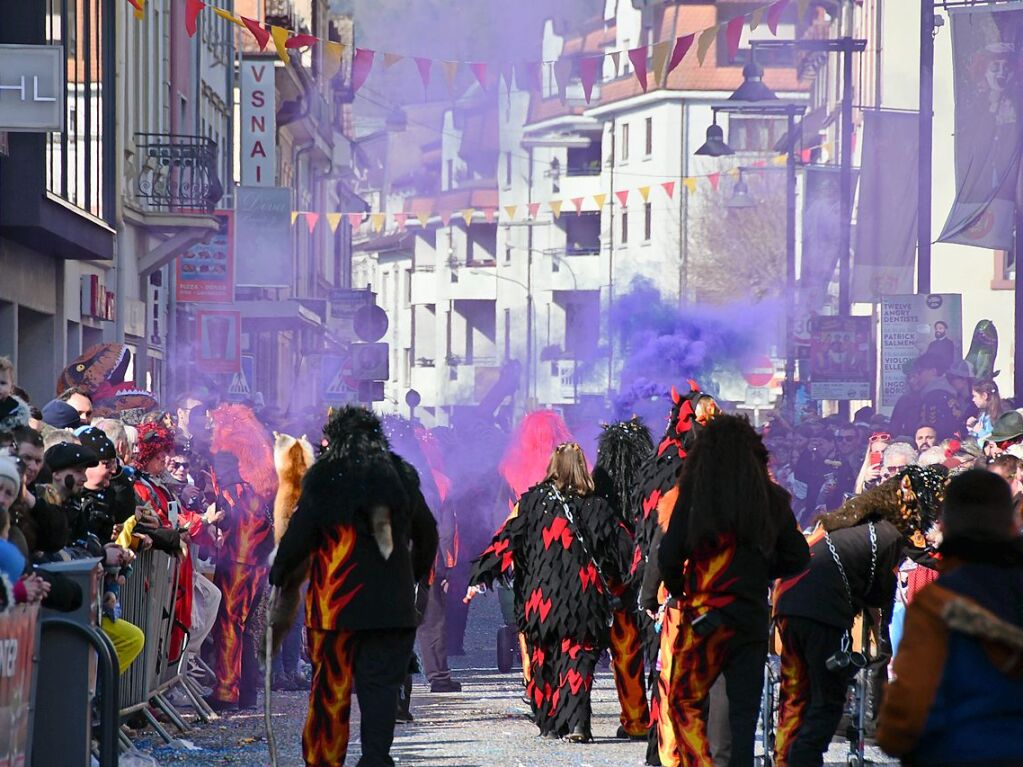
column 1005, row 270
column 507, row 168
column 649, row 136
column 481, row 246
column 625, row 142
column 625, row 227
column 585, row 161
column 582, row 233
column 451, row 174
column 648, row 215
column 755, row 134
column 408, row 287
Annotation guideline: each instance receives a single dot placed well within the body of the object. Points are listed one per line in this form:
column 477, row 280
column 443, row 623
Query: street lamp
column 715, row 145
column 741, row 198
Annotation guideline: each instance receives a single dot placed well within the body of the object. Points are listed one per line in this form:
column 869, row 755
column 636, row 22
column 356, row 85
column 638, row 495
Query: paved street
column 483, row 726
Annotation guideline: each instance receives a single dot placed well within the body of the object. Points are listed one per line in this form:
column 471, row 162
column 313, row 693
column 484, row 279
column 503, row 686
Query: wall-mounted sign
column 220, row 341
column 32, row 88
column 262, row 225
column 205, row 272
column 97, row 302
column 259, row 122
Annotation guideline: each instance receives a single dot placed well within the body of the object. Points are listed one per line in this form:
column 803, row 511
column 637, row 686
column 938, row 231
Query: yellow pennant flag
column 228, row 17
column 734, row 172
column 660, row 59
column 511, row 210
column 334, row 219
column 467, row 215
column 644, row 192
column 378, row 221
column 424, row 219
column 781, row 159
column 599, row 200
column 556, row 208
column 756, row 17
column 294, row 217
column 390, row 59
column 333, row 53
column 703, row 44
column 690, row 184
column 139, row 6
column 450, row 72
column 280, row 36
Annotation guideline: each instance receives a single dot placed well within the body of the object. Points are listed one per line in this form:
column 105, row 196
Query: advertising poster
column 205, row 272
column 220, row 341
column 912, row 325
column 841, row 358
column 263, row 237
column 18, row 632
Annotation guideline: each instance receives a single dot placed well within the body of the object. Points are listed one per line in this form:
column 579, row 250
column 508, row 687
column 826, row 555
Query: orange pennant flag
column 334, row 219
column 599, row 200
column 390, row 59
column 310, row 220
column 450, row 73
column 644, row 192
column 467, row 215
column 781, row 159
column 511, row 210
column 703, row 44
column 660, row 59
column 555, row 208
column 333, row 54
column 280, row 38
column 756, row 18
column 378, row 220
column 228, row 17
column 424, row 219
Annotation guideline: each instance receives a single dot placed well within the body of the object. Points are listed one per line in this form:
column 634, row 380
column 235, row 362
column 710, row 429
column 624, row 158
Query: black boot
column 403, row 713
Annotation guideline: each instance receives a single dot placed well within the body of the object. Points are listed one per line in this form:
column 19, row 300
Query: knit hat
column 9, row 471
column 61, row 415
column 97, row 441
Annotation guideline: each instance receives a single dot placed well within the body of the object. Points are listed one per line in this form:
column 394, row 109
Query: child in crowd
column 13, row 411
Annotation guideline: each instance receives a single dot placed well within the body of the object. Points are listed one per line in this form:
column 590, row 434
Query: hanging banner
column 220, row 341
column 822, row 233
column 205, row 272
column 262, row 226
column 986, row 44
column 18, row 636
column 912, row 325
column 886, row 220
column 258, row 130
column 841, row 358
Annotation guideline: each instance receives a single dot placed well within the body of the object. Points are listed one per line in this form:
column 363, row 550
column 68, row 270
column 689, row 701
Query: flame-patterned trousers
column 375, row 663
column 627, row 665
column 811, row 697
column 662, row 748
column 560, row 679
column 696, row 664
column 234, row 639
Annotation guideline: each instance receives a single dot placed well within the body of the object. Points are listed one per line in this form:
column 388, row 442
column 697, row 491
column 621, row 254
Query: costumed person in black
column 364, row 536
column 566, row 548
column 731, row 533
column 623, row 448
column 854, row 553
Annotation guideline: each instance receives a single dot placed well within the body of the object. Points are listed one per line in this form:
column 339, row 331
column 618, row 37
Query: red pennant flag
column 300, row 41
column 355, row 220
column 806, row 156
column 192, row 9
column 488, row 213
column 669, row 188
column 578, row 202
column 760, row 163
column 527, row 76
column 623, row 197
column 682, row 46
column 137, row 6
column 534, row 208
column 445, row 218
column 638, row 58
column 423, row 65
column 400, row 219
column 261, row 35
column 588, row 68
column 310, row 220
column 479, row 69
column 774, row 15
column 362, row 63
column 733, row 35
column 715, row 179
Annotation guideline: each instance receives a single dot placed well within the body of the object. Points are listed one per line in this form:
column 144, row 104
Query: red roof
column 454, row 200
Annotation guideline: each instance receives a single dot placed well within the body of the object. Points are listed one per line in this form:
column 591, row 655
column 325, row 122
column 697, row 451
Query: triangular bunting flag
column 138, row 12
column 400, row 219
column 599, row 200
column 390, row 59
column 756, row 17
column 479, row 69
column 638, row 58
column 623, row 197
column 378, row 220
column 333, row 53
column 445, row 218
column 556, row 207
column 257, row 31
column 578, row 203
column 734, row 172
column 690, row 184
column 301, row 41
column 310, row 221
column 562, row 74
column 355, row 220
column 616, row 61
column 759, row 163
column 806, row 156
column 334, row 219
column 280, row 36
column 682, row 46
column 801, row 12
column 533, row 208
column 467, row 215
column 733, row 35
column 669, row 189
column 780, row 160
column 506, row 74
column 488, row 213
column 294, row 217
column 423, row 65
column 527, row 76
column 192, row 9
column 424, row 219
column 644, row 192
column 511, row 210
column 774, row 15
column 703, row 44
column 588, row 68
column 714, row 179
column 660, row 58
column 362, row 63
column 450, row 73
column 227, row 16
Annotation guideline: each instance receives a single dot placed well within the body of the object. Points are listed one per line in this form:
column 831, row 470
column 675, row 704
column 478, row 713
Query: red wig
column 154, row 438
column 237, row 431
column 525, row 461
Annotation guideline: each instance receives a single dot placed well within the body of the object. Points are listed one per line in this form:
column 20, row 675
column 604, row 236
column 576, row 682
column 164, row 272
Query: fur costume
column 14, row 413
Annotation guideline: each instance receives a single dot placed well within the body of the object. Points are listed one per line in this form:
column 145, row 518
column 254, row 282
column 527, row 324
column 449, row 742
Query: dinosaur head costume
column 100, row 371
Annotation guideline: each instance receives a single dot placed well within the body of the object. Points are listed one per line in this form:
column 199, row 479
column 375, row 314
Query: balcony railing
column 177, row 173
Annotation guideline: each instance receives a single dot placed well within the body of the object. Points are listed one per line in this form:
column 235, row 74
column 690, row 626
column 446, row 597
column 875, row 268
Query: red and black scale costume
column 560, row 604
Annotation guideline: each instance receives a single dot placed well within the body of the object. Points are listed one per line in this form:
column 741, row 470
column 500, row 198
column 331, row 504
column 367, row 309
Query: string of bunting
column 590, row 204
column 527, row 75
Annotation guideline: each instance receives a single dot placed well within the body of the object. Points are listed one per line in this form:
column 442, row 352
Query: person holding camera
column 564, row 547
column 854, row 552
column 731, row 533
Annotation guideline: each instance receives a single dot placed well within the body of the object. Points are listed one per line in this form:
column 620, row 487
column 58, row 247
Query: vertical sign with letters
column 259, row 122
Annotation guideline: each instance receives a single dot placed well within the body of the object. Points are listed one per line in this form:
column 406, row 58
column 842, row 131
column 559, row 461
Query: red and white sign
column 220, row 341
column 259, row 122
column 759, row 371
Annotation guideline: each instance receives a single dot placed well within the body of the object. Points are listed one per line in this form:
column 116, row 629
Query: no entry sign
column 759, row 371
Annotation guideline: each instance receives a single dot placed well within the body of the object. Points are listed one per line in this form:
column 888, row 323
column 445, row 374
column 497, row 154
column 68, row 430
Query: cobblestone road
column 483, row 726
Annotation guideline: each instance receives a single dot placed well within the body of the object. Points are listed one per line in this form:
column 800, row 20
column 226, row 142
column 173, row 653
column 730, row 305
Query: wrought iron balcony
column 175, row 173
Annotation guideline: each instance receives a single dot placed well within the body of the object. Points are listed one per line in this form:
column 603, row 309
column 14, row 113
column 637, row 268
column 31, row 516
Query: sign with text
column 205, row 272
column 262, row 227
column 32, row 88
column 18, row 632
column 258, row 130
column 912, row 325
column 220, row 341
column 841, row 358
